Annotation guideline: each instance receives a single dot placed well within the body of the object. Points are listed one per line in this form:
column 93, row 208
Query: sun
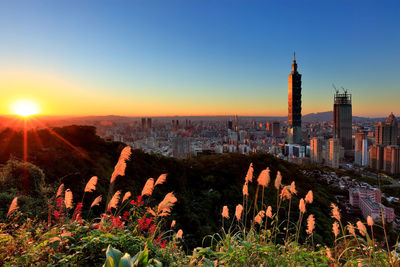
column 25, row 107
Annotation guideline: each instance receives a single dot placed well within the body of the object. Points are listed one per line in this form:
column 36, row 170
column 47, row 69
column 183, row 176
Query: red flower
column 163, row 244
column 145, row 223
column 125, row 216
column 138, row 201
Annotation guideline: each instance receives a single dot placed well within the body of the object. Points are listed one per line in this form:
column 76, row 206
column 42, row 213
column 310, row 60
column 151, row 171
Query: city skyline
column 192, row 58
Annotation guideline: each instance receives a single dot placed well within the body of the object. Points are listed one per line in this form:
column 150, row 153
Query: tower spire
column 294, row 56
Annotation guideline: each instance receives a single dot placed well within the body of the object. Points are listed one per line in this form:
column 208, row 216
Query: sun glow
column 25, row 108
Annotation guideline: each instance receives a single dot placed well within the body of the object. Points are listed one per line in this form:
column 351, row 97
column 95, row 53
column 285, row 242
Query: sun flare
column 25, row 107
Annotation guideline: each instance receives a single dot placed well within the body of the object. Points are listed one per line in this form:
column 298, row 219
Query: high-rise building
column 276, row 129
column 375, row 157
column 143, row 123
column 386, row 131
column 316, row 150
column 148, row 123
column 359, row 149
column 334, row 153
column 342, row 120
column 294, row 105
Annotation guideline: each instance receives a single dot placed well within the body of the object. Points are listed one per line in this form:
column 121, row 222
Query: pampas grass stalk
column 13, row 206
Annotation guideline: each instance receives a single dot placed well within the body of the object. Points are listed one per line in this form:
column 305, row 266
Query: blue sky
column 200, row 57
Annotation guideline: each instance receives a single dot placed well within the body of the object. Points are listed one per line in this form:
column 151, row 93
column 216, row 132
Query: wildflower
column 77, row 211
column 125, row 216
column 278, row 180
column 173, row 223
column 179, row 234
column 335, row 228
column 370, row 221
column 225, row 212
column 57, row 214
column 13, row 206
column 249, row 175
column 60, row 190
column 161, row 179
column 96, row 201
column 259, row 217
column 164, row 208
column 238, row 212
column 263, row 178
column 269, row 212
column 138, row 201
column 91, row 185
column 293, row 188
column 114, row 200
column 335, row 212
column 119, row 169
column 245, row 189
column 68, row 199
column 310, row 224
column 144, row 223
column 302, row 206
column 285, row 193
column 127, row 195
column 361, row 228
column 309, row 197
column 148, row 187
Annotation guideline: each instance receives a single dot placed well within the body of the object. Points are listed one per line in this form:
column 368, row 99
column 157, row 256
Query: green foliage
column 114, row 258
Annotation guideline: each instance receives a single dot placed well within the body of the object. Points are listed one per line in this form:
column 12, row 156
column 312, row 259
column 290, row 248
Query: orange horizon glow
column 25, row 108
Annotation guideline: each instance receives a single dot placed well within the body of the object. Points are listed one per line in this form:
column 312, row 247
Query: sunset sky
column 198, row 57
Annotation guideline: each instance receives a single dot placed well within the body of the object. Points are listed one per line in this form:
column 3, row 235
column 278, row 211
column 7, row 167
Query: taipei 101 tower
column 294, row 107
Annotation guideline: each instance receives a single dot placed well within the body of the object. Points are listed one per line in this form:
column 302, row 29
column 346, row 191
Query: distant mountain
column 328, row 116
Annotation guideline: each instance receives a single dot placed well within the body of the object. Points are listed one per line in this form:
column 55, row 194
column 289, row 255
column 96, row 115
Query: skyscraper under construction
column 342, row 120
column 294, row 105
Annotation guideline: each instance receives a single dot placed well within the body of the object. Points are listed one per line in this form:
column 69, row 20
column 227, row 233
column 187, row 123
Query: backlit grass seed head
column 259, row 217
column 293, row 188
column 173, row 223
column 119, row 169
column 68, row 199
column 13, row 206
column 60, row 190
column 335, row 228
column 249, row 175
column 179, row 234
column 264, row 178
column 269, row 212
column 310, row 224
column 148, row 187
column 238, row 212
column 114, row 200
column 361, row 227
column 151, row 211
column 91, row 185
column 165, row 206
column 350, row 228
column 161, row 179
column 127, row 195
column 285, row 193
column 309, row 197
column 335, row 212
column 225, row 212
column 96, row 202
column 245, row 189
column 370, row 221
column 278, row 180
column 302, row 206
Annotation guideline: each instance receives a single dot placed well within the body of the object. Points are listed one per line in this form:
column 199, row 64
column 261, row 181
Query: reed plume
column 302, row 206
column 238, row 211
column 97, row 201
column 91, row 185
column 285, row 193
column 151, row 211
column 293, row 188
column 370, row 221
column 335, row 229
column 114, row 200
column 13, row 206
column 278, row 181
column 165, row 206
column 335, row 212
column 310, row 224
column 60, row 190
column 68, row 199
column 269, row 212
column 309, row 197
column 127, row 195
column 245, row 189
column 361, row 228
column 249, row 175
column 350, row 228
column 264, row 178
column 179, row 234
column 161, row 179
column 259, row 217
column 173, row 223
column 119, row 169
column 225, row 212
column 148, row 187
